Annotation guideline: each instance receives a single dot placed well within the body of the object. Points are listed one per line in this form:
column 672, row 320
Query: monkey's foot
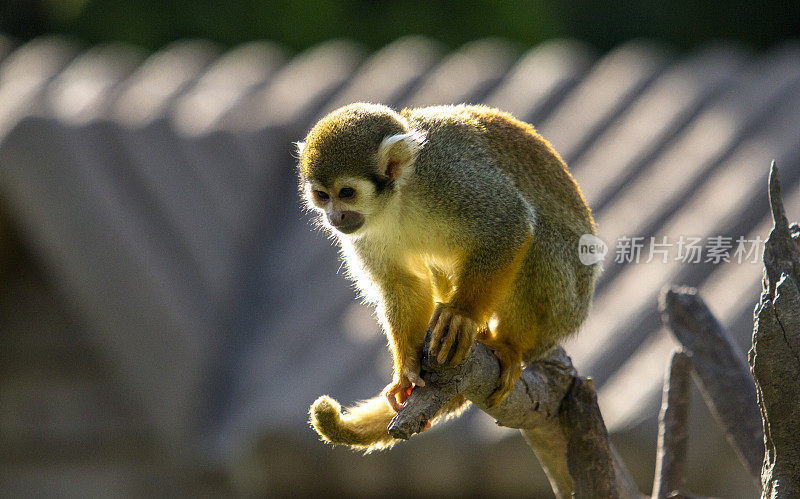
column 510, row 371
column 451, row 330
column 398, row 392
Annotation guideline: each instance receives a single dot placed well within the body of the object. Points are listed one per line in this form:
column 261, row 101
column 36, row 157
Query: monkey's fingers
column 395, row 405
column 450, row 338
column 439, row 328
column 466, row 338
column 392, row 399
column 499, row 394
column 437, row 310
column 510, row 371
column 396, row 395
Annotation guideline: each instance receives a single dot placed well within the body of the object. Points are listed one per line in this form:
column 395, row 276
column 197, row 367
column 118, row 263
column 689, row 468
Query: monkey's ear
column 397, row 152
column 299, row 146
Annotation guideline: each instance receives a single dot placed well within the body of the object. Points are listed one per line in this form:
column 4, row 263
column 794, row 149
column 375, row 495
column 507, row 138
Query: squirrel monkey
column 458, row 219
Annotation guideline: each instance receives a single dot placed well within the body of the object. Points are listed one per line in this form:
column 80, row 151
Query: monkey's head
column 354, row 161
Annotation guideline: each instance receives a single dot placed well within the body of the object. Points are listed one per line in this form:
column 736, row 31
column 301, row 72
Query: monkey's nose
column 346, row 221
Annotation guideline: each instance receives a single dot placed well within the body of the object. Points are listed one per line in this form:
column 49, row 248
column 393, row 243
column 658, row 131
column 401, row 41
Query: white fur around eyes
column 364, row 188
column 308, row 191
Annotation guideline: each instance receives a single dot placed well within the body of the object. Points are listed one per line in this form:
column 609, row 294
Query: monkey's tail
column 365, row 426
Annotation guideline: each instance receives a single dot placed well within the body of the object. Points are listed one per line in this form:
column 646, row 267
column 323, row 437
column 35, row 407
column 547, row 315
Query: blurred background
column 167, row 313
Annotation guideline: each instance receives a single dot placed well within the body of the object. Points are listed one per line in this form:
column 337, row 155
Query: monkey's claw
column 398, row 392
column 451, row 331
column 414, row 378
column 510, row 371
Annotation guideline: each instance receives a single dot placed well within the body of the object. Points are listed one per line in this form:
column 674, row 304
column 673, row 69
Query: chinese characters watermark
column 685, row 249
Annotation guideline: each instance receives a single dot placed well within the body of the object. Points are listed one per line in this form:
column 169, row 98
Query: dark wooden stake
column 775, row 354
column 720, row 370
column 673, row 427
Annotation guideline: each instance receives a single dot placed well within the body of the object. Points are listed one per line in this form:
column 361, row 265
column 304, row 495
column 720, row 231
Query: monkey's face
column 353, row 190
column 354, row 162
column 345, row 205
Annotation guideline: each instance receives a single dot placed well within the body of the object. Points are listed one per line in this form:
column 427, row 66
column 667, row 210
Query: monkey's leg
column 516, row 325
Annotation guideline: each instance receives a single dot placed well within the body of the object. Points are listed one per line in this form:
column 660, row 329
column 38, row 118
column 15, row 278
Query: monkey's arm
column 405, row 307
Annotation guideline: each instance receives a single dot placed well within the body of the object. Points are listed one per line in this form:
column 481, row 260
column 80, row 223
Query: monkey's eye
column 322, row 195
column 347, row 192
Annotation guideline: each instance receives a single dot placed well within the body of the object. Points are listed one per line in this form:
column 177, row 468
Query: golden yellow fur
column 449, row 218
column 363, row 426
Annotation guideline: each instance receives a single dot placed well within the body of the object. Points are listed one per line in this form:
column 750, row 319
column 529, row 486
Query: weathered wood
column 673, row 428
column 720, row 371
column 588, row 455
column 555, row 409
column 535, row 398
column 549, row 443
column 781, row 250
column 775, row 354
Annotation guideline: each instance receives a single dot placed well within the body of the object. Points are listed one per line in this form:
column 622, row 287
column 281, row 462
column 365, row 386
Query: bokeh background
column 299, row 24
column 167, row 313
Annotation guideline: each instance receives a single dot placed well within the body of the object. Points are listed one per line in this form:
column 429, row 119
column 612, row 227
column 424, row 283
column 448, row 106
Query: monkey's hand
column 451, row 330
column 398, row 391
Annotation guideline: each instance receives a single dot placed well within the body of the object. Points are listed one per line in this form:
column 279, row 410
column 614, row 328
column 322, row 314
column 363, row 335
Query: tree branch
column 535, row 398
column 554, row 407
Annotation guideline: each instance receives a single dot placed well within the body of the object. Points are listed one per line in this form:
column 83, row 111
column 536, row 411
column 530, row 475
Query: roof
column 160, row 196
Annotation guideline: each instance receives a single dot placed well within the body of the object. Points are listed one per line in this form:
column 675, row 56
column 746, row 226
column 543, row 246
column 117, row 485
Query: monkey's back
column 529, row 160
column 562, row 285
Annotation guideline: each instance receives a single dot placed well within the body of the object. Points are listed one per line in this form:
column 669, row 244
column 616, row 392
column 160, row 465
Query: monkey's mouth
column 349, row 228
column 346, row 222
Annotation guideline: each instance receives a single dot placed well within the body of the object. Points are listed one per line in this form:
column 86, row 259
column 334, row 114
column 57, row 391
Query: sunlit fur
column 409, row 145
column 363, row 426
column 463, row 205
